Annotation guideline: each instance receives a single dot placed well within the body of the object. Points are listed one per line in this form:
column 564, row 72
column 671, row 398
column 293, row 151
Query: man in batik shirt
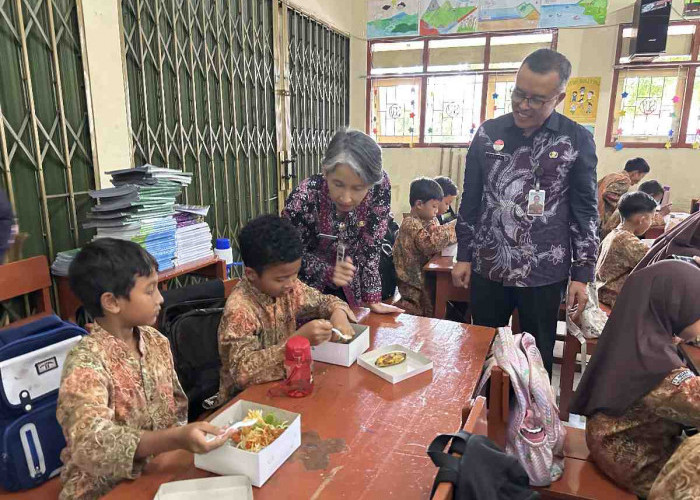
column 511, row 254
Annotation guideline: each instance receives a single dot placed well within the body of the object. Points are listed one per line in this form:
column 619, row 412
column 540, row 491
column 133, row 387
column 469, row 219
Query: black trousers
column 538, row 307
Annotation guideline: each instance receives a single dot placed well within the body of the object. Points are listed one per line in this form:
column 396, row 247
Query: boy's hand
column 666, row 209
column 341, row 321
column 194, row 437
column 317, row 331
column 343, row 273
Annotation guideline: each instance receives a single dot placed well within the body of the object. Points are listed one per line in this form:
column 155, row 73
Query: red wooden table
column 211, row 267
column 441, row 268
column 362, row 437
column 691, row 354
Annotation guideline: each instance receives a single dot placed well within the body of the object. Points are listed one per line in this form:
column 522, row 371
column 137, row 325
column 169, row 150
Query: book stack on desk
column 141, row 208
column 192, row 234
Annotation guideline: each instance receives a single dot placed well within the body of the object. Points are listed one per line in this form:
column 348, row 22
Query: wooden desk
column 382, row 430
column 691, row 354
column 694, row 205
column 211, row 267
column 444, row 289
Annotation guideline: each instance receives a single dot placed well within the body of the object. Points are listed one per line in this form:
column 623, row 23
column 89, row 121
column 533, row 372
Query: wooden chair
column 473, row 421
column 28, row 277
column 582, row 479
column 572, row 348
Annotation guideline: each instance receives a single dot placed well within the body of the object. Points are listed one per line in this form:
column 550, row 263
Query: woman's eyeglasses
column 517, row 97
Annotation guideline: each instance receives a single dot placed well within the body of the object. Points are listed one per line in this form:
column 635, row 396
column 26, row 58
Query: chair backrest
column 27, row 276
column 471, row 414
column 499, row 406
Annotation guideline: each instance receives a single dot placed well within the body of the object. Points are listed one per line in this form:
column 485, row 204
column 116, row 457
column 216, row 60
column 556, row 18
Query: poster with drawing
column 440, row 17
column 568, row 13
column 581, row 103
column 497, row 15
column 691, row 8
column 389, row 18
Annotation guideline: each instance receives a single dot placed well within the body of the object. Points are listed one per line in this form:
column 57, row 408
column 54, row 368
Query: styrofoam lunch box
column 415, row 363
column 228, row 487
column 258, row 467
column 343, row 354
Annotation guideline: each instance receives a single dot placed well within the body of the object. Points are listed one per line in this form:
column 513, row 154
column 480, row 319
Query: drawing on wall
column 566, row 13
column 581, row 103
column 691, row 8
column 389, row 18
column 497, row 15
column 440, row 17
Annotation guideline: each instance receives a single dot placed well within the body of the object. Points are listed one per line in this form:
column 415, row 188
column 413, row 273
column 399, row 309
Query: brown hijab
column 684, row 239
column 635, row 352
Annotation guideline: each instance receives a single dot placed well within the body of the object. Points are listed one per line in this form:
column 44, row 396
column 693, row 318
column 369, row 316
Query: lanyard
column 537, row 172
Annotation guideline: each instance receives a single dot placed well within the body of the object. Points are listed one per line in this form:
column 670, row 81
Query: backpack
column 31, row 362
column 541, row 454
column 591, row 323
column 192, row 328
column 483, row 472
column 387, row 271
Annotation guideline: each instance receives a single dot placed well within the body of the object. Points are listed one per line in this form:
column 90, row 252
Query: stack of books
column 141, row 208
column 192, row 235
column 63, row 261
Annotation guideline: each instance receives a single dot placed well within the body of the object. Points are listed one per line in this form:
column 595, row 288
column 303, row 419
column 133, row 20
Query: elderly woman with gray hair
column 348, row 205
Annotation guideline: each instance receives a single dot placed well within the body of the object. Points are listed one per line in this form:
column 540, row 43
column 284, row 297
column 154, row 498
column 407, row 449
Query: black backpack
column 387, row 271
column 192, row 328
column 483, row 472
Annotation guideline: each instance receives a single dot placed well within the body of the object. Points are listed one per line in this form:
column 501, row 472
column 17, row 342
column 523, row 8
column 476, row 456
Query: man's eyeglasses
column 517, row 97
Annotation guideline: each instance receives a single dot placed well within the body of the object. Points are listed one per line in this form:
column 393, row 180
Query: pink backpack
column 535, row 433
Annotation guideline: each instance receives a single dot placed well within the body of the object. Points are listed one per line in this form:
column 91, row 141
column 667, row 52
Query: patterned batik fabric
column 255, row 327
column 417, row 242
column 495, row 232
column 620, row 253
column 633, row 448
column 312, row 211
column 107, row 399
column 610, row 190
column 616, row 219
column 680, row 477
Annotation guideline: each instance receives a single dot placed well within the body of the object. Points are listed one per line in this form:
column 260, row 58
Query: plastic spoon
column 340, row 334
column 237, row 425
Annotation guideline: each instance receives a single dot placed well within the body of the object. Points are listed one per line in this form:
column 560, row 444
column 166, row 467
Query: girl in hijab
column 636, row 392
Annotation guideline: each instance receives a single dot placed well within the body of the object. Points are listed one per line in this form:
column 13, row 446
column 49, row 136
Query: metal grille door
column 45, row 150
column 201, row 97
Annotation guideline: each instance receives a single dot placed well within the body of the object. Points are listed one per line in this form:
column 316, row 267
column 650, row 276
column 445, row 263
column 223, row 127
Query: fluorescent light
column 519, row 39
column 396, row 46
column 397, row 71
column 475, row 41
column 455, row 67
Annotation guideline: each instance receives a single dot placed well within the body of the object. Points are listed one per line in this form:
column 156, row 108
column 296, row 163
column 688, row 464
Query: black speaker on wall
column 650, row 28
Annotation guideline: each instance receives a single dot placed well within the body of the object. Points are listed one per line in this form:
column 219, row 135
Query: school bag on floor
column 535, row 434
column 483, row 472
column 190, row 321
column 31, row 362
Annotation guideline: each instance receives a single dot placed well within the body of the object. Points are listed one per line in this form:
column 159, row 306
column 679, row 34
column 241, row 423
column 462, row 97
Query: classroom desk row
column 362, row 437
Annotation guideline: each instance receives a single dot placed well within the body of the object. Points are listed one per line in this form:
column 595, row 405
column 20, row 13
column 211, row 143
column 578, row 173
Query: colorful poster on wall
column 389, row 18
column 691, row 8
column 497, row 15
column 567, row 13
column 581, row 103
column 439, row 17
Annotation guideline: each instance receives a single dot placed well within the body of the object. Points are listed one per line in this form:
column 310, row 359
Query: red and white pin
column 498, row 145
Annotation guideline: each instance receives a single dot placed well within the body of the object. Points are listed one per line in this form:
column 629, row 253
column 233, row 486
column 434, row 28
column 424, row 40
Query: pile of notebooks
column 63, row 261
column 192, row 234
column 141, row 208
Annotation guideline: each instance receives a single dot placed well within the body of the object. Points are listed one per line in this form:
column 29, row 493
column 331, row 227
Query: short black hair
column 652, row 188
column 543, row 61
column 268, row 240
column 635, row 203
column 637, row 165
column 425, row 189
column 449, row 188
column 108, row 265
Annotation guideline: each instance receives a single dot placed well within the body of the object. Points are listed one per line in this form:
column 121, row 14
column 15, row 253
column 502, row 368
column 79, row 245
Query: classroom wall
column 592, row 53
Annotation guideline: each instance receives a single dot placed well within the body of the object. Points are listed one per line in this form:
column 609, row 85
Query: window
column 438, row 90
column 656, row 103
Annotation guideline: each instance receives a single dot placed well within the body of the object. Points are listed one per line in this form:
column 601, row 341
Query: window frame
column 424, row 75
column 691, row 66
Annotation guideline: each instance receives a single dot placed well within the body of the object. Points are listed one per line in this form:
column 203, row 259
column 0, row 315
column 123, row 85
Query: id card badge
column 535, row 202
